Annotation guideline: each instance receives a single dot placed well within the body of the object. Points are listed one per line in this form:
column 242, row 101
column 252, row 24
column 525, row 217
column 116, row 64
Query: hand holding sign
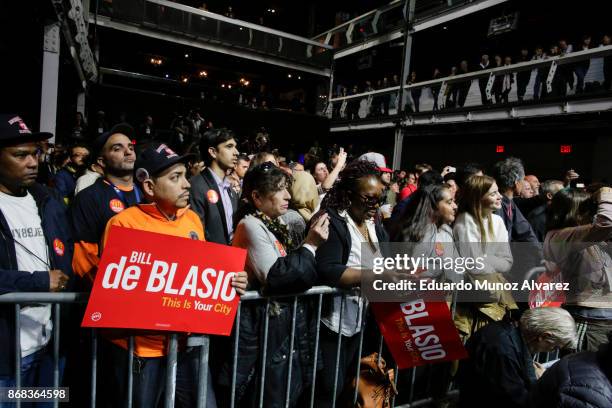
column 167, row 283
column 240, row 282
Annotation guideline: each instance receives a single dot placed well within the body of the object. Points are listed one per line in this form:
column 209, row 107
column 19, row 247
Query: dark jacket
column 578, row 380
column 537, row 220
column 55, row 226
column 526, row 249
column 333, row 254
column 65, row 182
column 499, row 370
column 517, row 225
column 293, row 273
column 211, row 213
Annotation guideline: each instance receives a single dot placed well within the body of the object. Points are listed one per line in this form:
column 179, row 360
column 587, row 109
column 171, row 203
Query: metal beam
column 365, row 126
column 562, row 108
column 405, row 72
column 50, row 79
column 454, row 14
column 251, row 55
column 385, row 38
column 239, row 23
column 420, row 25
column 338, row 28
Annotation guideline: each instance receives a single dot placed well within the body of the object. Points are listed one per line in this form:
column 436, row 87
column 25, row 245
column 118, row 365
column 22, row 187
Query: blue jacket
column 56, row 229
column 65, row 182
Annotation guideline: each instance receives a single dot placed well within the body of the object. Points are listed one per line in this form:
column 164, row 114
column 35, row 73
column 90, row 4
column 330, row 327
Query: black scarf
column 279, row 230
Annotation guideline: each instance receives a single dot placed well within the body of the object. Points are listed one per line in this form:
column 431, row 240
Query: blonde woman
column 481, row 234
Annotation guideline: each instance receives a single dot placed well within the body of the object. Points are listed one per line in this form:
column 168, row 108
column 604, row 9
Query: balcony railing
column 180, row 20
column 538, row 80
column 382, row 20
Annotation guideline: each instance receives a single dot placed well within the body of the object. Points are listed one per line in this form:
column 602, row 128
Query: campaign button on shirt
column 280, row 248
column 116, row 205
column 212, row 196
column 58, row 247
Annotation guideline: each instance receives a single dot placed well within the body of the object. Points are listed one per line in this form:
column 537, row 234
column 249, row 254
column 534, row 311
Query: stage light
column 203, row 74
column 185, row 80
column 246, row 83
column 186, row 55
column 167, row 76
column 222, row 85
column 229, row 87
column 288, row 75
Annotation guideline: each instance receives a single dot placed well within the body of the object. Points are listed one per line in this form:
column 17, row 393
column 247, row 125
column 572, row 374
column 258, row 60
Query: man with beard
column 108, row 196
column 212, row 196
column 161, row 174
column 65, row 179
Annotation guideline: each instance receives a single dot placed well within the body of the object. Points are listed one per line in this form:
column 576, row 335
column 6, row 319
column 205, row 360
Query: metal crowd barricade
column 57, row 299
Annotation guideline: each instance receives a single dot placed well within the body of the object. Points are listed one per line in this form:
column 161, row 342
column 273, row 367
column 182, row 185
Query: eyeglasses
column 371, row 202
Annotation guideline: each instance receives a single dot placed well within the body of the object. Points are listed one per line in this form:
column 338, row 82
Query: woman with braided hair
column 351, row 205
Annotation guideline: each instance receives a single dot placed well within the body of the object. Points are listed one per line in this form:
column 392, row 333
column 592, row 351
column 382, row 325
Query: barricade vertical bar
column 412, row 379
column 56, row 343
column 94, row 366
column 380, row 347
column 203, row 371
column 316, row 352
column 235, row 364
column 395, row 377
column 359, row 356
column 18, row 349
column 171, row 371
column 454, row 304
column 130, row 386
column 291, row 345
column 337, row 366
column 265, row 354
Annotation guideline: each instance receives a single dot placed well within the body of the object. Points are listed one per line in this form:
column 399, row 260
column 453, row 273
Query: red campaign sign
column 154, row 281
column 547, row 297
column 418, row 332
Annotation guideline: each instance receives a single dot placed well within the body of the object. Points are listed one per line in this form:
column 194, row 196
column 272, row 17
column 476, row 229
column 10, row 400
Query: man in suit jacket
column 212, row 196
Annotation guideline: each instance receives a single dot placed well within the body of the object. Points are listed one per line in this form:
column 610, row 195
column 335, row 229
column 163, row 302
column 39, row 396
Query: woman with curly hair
column 351, row 205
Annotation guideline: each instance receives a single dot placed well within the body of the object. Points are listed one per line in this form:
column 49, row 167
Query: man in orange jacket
column 160, row 173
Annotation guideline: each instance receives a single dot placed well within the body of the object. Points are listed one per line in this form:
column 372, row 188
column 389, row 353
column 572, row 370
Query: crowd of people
column 302, row 225
column 569, row 76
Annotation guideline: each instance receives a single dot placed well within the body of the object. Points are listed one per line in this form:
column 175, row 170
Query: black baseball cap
column 153, row 160
column 13, row 130
column 123, row 128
